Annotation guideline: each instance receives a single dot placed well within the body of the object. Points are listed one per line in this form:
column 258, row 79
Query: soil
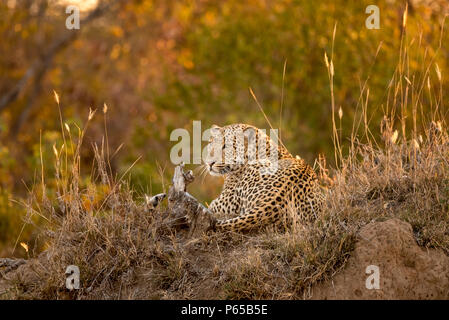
column 406, row 271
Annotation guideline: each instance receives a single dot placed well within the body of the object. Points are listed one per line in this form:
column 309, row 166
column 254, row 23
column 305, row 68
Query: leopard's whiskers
column 203, row 173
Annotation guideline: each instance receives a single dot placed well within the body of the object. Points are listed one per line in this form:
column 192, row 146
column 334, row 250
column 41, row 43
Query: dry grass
column 126, row 251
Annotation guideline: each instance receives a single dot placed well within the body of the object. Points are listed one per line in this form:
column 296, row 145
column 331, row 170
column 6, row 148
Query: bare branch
column 11, row 264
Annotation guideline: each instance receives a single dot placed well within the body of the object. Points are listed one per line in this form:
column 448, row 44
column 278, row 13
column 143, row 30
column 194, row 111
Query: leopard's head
column 231, row 148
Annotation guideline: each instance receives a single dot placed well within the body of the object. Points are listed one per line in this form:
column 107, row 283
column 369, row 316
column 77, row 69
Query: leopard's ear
column 215, row 129
column 250, row 133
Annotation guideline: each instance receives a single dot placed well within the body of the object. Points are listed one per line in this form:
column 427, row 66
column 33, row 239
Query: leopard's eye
column 224, row 146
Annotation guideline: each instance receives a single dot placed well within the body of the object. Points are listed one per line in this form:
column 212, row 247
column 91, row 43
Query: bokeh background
column 160, row 64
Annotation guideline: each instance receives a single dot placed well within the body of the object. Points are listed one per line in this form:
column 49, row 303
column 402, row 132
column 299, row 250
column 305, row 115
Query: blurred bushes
column 161, row 64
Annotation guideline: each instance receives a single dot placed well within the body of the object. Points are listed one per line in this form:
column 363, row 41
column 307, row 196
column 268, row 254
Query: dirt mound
column 406, row 271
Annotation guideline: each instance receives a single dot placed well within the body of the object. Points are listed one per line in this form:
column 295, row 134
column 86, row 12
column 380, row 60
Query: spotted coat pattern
column 252, row 196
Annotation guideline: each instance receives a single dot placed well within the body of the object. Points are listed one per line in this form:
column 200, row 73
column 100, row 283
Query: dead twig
column 184, row 208
column 11, row 264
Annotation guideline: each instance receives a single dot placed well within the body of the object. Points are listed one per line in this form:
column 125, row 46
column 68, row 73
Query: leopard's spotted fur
column 254, row 194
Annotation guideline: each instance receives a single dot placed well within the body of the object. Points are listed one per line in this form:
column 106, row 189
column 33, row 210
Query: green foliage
column 12, row 222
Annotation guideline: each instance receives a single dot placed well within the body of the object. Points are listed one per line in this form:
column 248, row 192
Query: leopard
column 264, row 185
